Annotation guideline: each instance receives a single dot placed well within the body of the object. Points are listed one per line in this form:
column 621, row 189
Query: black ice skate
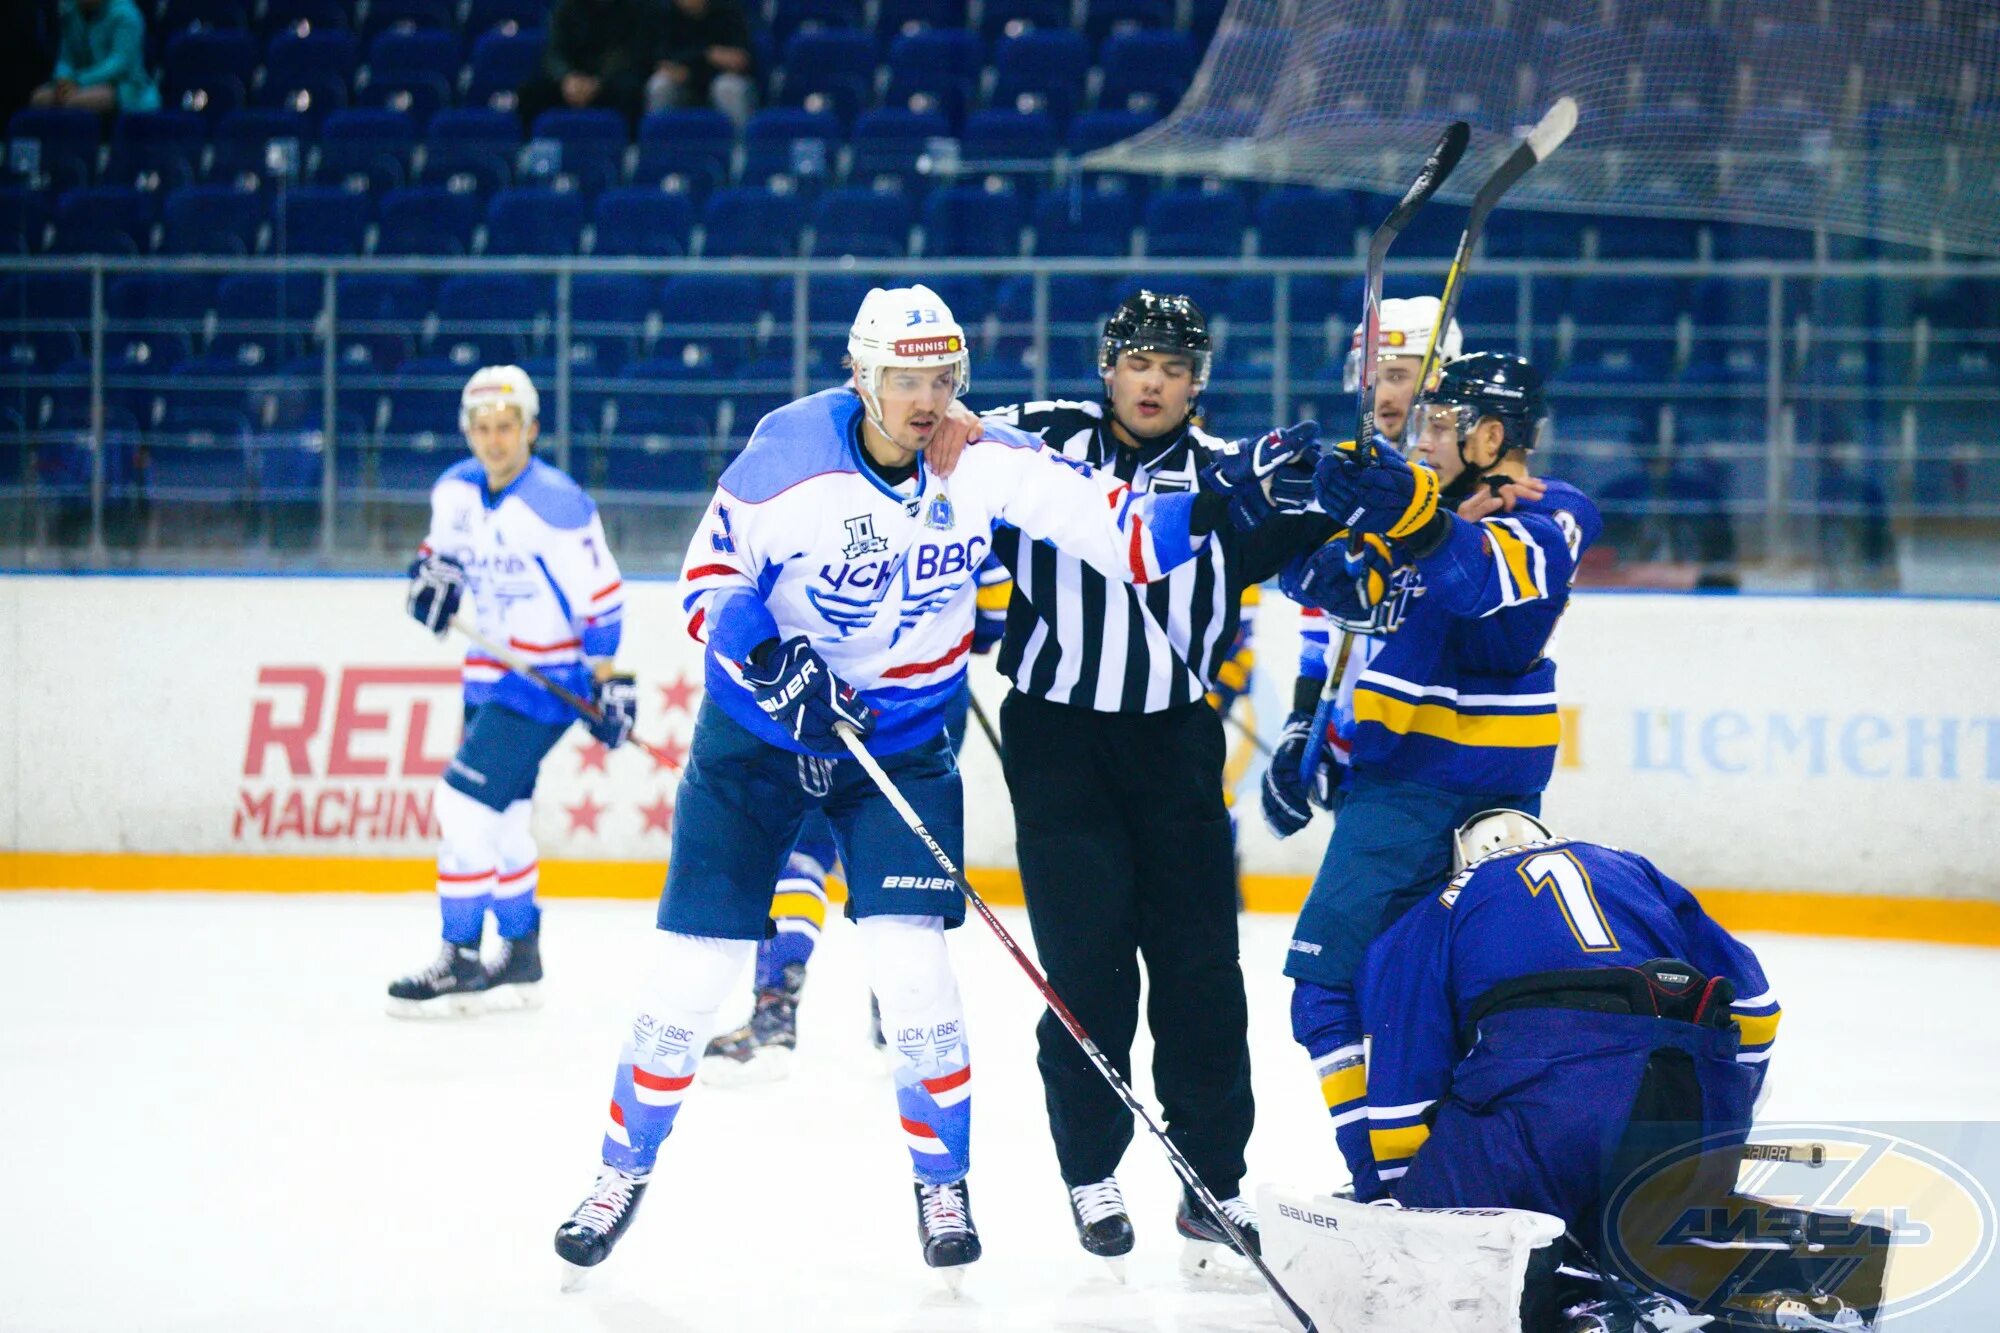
column 1103, row 1227
column 514, row 981
column 761, row 1050
column 1209, row 1254
column 585, row 1240
column 452, row 986
column 1645, row 1312
column 944, row 1225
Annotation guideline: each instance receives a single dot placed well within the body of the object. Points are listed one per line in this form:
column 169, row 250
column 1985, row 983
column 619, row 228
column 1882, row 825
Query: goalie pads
column 1411, row 1270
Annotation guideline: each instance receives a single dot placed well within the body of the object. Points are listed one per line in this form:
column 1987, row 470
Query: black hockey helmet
column 1151, row 322
column 1493, row 384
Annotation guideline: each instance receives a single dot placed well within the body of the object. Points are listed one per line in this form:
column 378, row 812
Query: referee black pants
column 1125, row 854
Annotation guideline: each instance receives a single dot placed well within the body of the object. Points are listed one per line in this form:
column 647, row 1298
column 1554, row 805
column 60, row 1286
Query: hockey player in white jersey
column 832, row 585
column 521, row 544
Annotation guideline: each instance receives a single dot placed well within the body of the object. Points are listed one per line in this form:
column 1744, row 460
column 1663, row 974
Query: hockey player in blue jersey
column 1457, row 709
column 831, row 584
column 522, row 544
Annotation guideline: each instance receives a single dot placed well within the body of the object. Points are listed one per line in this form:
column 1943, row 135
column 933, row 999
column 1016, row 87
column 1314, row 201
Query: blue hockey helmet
column 1493, row 384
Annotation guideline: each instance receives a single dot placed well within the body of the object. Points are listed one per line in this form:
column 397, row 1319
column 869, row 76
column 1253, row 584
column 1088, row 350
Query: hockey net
column 1875, row 118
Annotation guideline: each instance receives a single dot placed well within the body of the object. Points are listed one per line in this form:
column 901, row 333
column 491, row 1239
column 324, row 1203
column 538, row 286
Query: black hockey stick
column 587, row 709
column 986, row 725
column 1182, row 1167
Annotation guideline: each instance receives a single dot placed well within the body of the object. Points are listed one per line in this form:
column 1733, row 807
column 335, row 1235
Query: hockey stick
column 1182, row 1167
column 986, row 725
column 582, row 705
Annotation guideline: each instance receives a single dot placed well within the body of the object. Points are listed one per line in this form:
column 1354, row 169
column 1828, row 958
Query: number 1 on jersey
column 1573, row 895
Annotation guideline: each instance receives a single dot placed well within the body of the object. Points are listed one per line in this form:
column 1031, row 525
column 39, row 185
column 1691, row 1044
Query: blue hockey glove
column 437, row 582
column 617, row 700
column 1271, row 474
column 1287, row 805
column 1326, row 580
column 1386, row 495
column 798, row 691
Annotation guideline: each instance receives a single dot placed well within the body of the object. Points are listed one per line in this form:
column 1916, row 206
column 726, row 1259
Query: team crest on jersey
column 861, row 538
column 1405, row 584
column 940, row 513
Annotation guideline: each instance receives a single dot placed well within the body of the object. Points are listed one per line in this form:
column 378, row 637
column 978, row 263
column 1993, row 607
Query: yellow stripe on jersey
column 1344, row 1085
column 1235, row 673
column 1515, row 552
column 1393, row 1145
column 801, row 906
column 1521, row 731
column 1759, row 1029
column 993, row 597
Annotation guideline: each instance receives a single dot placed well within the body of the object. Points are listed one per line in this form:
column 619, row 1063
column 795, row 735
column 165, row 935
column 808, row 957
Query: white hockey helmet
column 1493, row 831
column 499, row 386
column 1404, row 329
column 905, row 326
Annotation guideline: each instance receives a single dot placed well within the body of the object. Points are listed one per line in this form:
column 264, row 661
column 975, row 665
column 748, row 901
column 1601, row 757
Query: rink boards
column 1826, row 765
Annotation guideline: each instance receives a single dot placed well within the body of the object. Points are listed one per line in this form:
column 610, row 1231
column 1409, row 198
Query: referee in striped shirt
column 1114, row 761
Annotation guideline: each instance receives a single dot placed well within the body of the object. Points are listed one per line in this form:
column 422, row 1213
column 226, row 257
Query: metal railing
column 1885, row 465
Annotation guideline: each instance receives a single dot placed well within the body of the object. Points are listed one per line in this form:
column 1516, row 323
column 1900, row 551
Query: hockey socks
column 657, row 1063
column 924, row 1020
column 1327, row 1022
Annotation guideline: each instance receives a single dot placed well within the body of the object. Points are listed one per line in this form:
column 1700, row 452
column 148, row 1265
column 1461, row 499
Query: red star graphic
column 669, row 756
column 659, row 815
column 583, row 816
column 592, row 754
column 679, row 697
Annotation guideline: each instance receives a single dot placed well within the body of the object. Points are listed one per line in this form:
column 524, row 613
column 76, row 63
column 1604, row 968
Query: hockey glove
column 1327, row 579
column 1271, row 474
column 1386, row 496
column 617, row 700
column 1287, row 807
column 436, row 584
column 797, row 690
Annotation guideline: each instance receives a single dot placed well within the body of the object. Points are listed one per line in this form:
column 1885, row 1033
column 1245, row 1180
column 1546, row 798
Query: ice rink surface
column 210, row 1124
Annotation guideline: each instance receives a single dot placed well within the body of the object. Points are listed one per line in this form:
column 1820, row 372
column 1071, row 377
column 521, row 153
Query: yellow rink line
column 1866, row 916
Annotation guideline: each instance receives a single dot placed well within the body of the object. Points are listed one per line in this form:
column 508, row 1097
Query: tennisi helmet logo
column 949, row 344
column 1667, row 1229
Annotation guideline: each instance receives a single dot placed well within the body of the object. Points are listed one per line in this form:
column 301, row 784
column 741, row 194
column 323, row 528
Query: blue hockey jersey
column 1544, row 907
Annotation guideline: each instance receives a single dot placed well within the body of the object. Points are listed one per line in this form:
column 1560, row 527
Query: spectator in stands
column 100, row 59
column 705, row 59
column 600, row 53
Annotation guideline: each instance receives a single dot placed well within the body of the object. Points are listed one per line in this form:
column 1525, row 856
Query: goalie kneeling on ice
column 1410, row 1270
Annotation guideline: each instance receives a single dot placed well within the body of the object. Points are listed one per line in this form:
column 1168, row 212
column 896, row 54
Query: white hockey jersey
column 539, row 578
column 803, row 537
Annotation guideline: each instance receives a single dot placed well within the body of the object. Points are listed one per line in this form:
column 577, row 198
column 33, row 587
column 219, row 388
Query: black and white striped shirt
column 1076, row 637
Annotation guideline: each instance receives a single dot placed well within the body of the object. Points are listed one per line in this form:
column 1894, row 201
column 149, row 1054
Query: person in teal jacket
column 101, row 60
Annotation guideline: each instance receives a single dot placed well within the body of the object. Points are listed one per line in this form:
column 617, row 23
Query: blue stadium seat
column 643, row 220
column 427, row 220
column 205, row 59
column 156, row 149
column 279, row 16
column 1902, row 61
column 687, row 149
column 103, row 219
column 318, row 220
column 749, row 221
column 48, row 294
column 423, row 51
column 861, row 222
column 1044, row 71
column 68, row 141
column 242, row 141
column 534, row 220
column 1653, row 302
column 1961, row 366
column 789, row 17
column 789, row 141
column 366, row 150
column 593, row 145
column 1374, row 67
column 1517, row 234
column 213, row 220
column 1473, row 73
column 949, row 53
column 973, row 222
column 1787, row 64
column 716, row 299
column 262, row 319
column 1145, row 71
column 507, row 16
column 1188, row 222
column 293, row 56
column 1741, row 240
column 890, row 143
column 471, row 148
column 831, row 70
column 1726, row 364
column 501, row 62
column 1013, row 145
column 1011, row 18
column 197, row 15
column 1105, row 19
column 418, row 96
column 1647, row 238
column 620, row 303
column 1685, row 67
column 389, row 16
column 484, row 318
column 1092, row 130
column 1083, row 221
column 1301, row 223
column 1617, row 361
column 895, row 17
column 24, row 219
column 1702, row 424
column 314, row 94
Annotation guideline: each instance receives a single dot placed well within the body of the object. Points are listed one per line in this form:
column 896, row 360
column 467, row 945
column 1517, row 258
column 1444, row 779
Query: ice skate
column 761, row 1050
column 514, row 980
column 1208, row 1254
column 1103, row 1227
column 1806, row 1311
column 944, row 1225
column 453, row 986
column 1643, row 1312
column 585, row 1240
